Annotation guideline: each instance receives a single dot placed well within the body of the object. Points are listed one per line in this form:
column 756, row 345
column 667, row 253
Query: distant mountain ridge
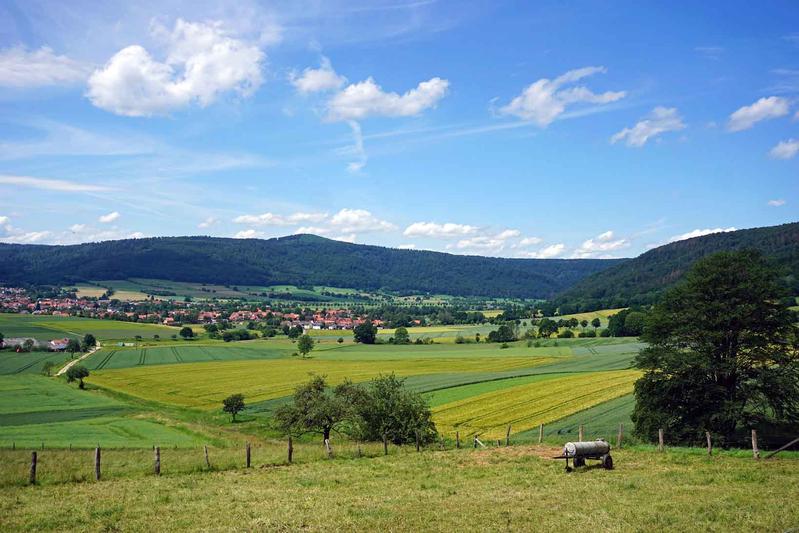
column 643, row 279
column 293, row 260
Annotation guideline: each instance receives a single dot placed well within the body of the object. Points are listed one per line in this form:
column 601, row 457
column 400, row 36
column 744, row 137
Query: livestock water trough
column 578, row 452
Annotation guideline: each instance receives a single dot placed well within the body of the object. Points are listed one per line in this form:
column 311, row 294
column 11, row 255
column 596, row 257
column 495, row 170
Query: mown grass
column 528, row 405
column 204, row 385
column 509, row 489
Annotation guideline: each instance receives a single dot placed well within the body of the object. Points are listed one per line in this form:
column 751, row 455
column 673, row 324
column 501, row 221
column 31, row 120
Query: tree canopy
column 305, row 344
column 722, row 354
column 365, row 333
column 233, row 405
column 77, row 373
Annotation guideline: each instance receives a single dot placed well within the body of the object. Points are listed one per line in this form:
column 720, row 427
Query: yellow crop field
column 526, row 406
column 204, row 385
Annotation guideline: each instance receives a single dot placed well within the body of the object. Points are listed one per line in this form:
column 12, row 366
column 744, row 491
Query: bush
column 504, row 345
column 459, row 339
column 566, row 334
column 604, row 333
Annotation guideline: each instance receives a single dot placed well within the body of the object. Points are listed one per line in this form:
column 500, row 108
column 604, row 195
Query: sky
column 586, row 129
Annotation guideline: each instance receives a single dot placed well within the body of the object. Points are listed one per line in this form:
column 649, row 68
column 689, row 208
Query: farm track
column 78, row 360
column 32, row 363
column 105, row 360
column 175, row 352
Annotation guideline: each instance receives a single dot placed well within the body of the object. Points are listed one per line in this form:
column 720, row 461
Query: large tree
column 365, row 333
column 722, row 353
column 305, row 345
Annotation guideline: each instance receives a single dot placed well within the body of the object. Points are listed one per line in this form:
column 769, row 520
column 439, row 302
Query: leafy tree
column 401, row 336
column 584, row 323
column 233, row 405
column 340, row 340
column 27, row 345
column 388, row 408
column 722, row 353
column 47, row 368
column 186, row 332
column 305, row 345
column 627, row 323
column 2, row 338
column 156, row 337
column 316, row 409
column 566, row 334
column 546, row 327
column 504, row 333
column 211, row 328
column 295, row 332
column 77, row 372
column 596, row 323
column 88, row 343
column 365, row 333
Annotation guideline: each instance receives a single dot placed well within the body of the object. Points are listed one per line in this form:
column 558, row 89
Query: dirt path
column 76, row 361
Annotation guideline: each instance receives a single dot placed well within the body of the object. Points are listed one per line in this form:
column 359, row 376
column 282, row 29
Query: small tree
column 596, row 323
column 584, row 323
column 305, row 345
column 88, row 343
column 2, row 338
column 401, row 336
column 27, row 346
column 295, row 332
column 365, row 333
column 77, row 372
column 233, row 405
column 186, row 332
column 72, row 346
column 340, row 340
column 47, row 368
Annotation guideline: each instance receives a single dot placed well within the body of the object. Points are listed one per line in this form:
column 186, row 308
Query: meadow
column 46, row 327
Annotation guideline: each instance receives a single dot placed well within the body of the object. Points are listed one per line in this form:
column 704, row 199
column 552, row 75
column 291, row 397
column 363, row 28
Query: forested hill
column 641, row 280
column 294, row 260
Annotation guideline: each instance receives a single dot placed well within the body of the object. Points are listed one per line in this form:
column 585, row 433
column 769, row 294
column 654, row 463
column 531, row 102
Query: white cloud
column 764, row 109
column 772, row 203
column 315, row 230
column 357, row 150
column 201, row 63
column 312, row 80
column 548, row 252
column 508, row 234
column 358, row 221
column 77, row 228
column 20, row 67
column 785, row 149
column 110, row 217
column 208, row 222
column 530, row 241
column 350, row 238
column 440, row 231
column 659, row 120
column 4, row 220
column 26, row 238
column 136, row 235
column 248, row 234
column 409, row 246
column 360, row 100
column 601, row 244
column 699, row 233
column 50, row 185
column 272, row 219
column 486, row 243
column 544, row 100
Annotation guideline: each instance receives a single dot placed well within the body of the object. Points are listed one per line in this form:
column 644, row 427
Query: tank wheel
column 579, row 461
column 568, row 469
column 607, row 462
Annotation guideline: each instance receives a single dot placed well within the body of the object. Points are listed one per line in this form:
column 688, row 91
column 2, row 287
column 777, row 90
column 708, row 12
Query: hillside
column 294, row 260
column 641, row 280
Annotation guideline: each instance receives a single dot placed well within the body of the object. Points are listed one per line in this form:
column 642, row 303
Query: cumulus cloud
column 764, row 109
column 785, row 149
column 23, row 68
column 772, row 203
column 202, row 62
column 77, row 228
column 548, row 252
column 208, row 222
column 408, row 246
column 699, row 233
column 530, row 241
column 357, row 150
column 492, row 243
column 366, row 98
column 110, row 217
column 358, row 221
column 660, row 120
column 248, row 234
column 4, row 220
column 314, row 80
column 544, row 100
column 350, row 238
column 315, row 230
column 439, row 231
column 31, row 237
column 602, row 244
column 272, row 219
column 50, row 185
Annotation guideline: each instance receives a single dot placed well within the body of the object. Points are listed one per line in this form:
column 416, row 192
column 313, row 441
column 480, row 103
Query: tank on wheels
column 578, row 452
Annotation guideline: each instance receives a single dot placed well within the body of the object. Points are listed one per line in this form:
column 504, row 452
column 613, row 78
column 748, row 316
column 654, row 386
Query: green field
column 46, row 327
column 29, row 362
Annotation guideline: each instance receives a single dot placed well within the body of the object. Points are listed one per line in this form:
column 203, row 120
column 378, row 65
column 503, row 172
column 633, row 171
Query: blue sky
column 517, row 129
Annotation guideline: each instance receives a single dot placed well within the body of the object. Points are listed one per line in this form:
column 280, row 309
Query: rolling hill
column 641, row 280
column 294, row 260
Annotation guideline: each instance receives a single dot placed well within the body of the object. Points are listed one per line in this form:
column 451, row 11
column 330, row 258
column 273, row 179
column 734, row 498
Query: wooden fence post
column 474, row 441
column 709, row 443
column 248, row 455
column 457, row 439
column 207, row 461
column 32, row 478
column 619, row 436
column 290, row 449
column 660, row 440
column 157, row 466
column 540, row 433
column 507, row 437
column 97, row 464
column 580, row 433
column 360, row 453
column 755, row 449
column 385, row 444
column 417, row 442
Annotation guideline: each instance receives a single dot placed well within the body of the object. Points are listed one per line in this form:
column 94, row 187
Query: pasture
column 46, row 327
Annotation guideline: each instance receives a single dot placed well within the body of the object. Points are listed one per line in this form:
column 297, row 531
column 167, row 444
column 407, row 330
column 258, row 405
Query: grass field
column 508, row 489
column 46, row 327
column 29, row 362
column 36, row 410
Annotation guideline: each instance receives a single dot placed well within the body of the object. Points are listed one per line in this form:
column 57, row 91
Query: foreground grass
column 495, row 489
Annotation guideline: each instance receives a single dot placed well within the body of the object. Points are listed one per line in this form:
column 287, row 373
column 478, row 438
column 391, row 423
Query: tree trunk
column 326, row 434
